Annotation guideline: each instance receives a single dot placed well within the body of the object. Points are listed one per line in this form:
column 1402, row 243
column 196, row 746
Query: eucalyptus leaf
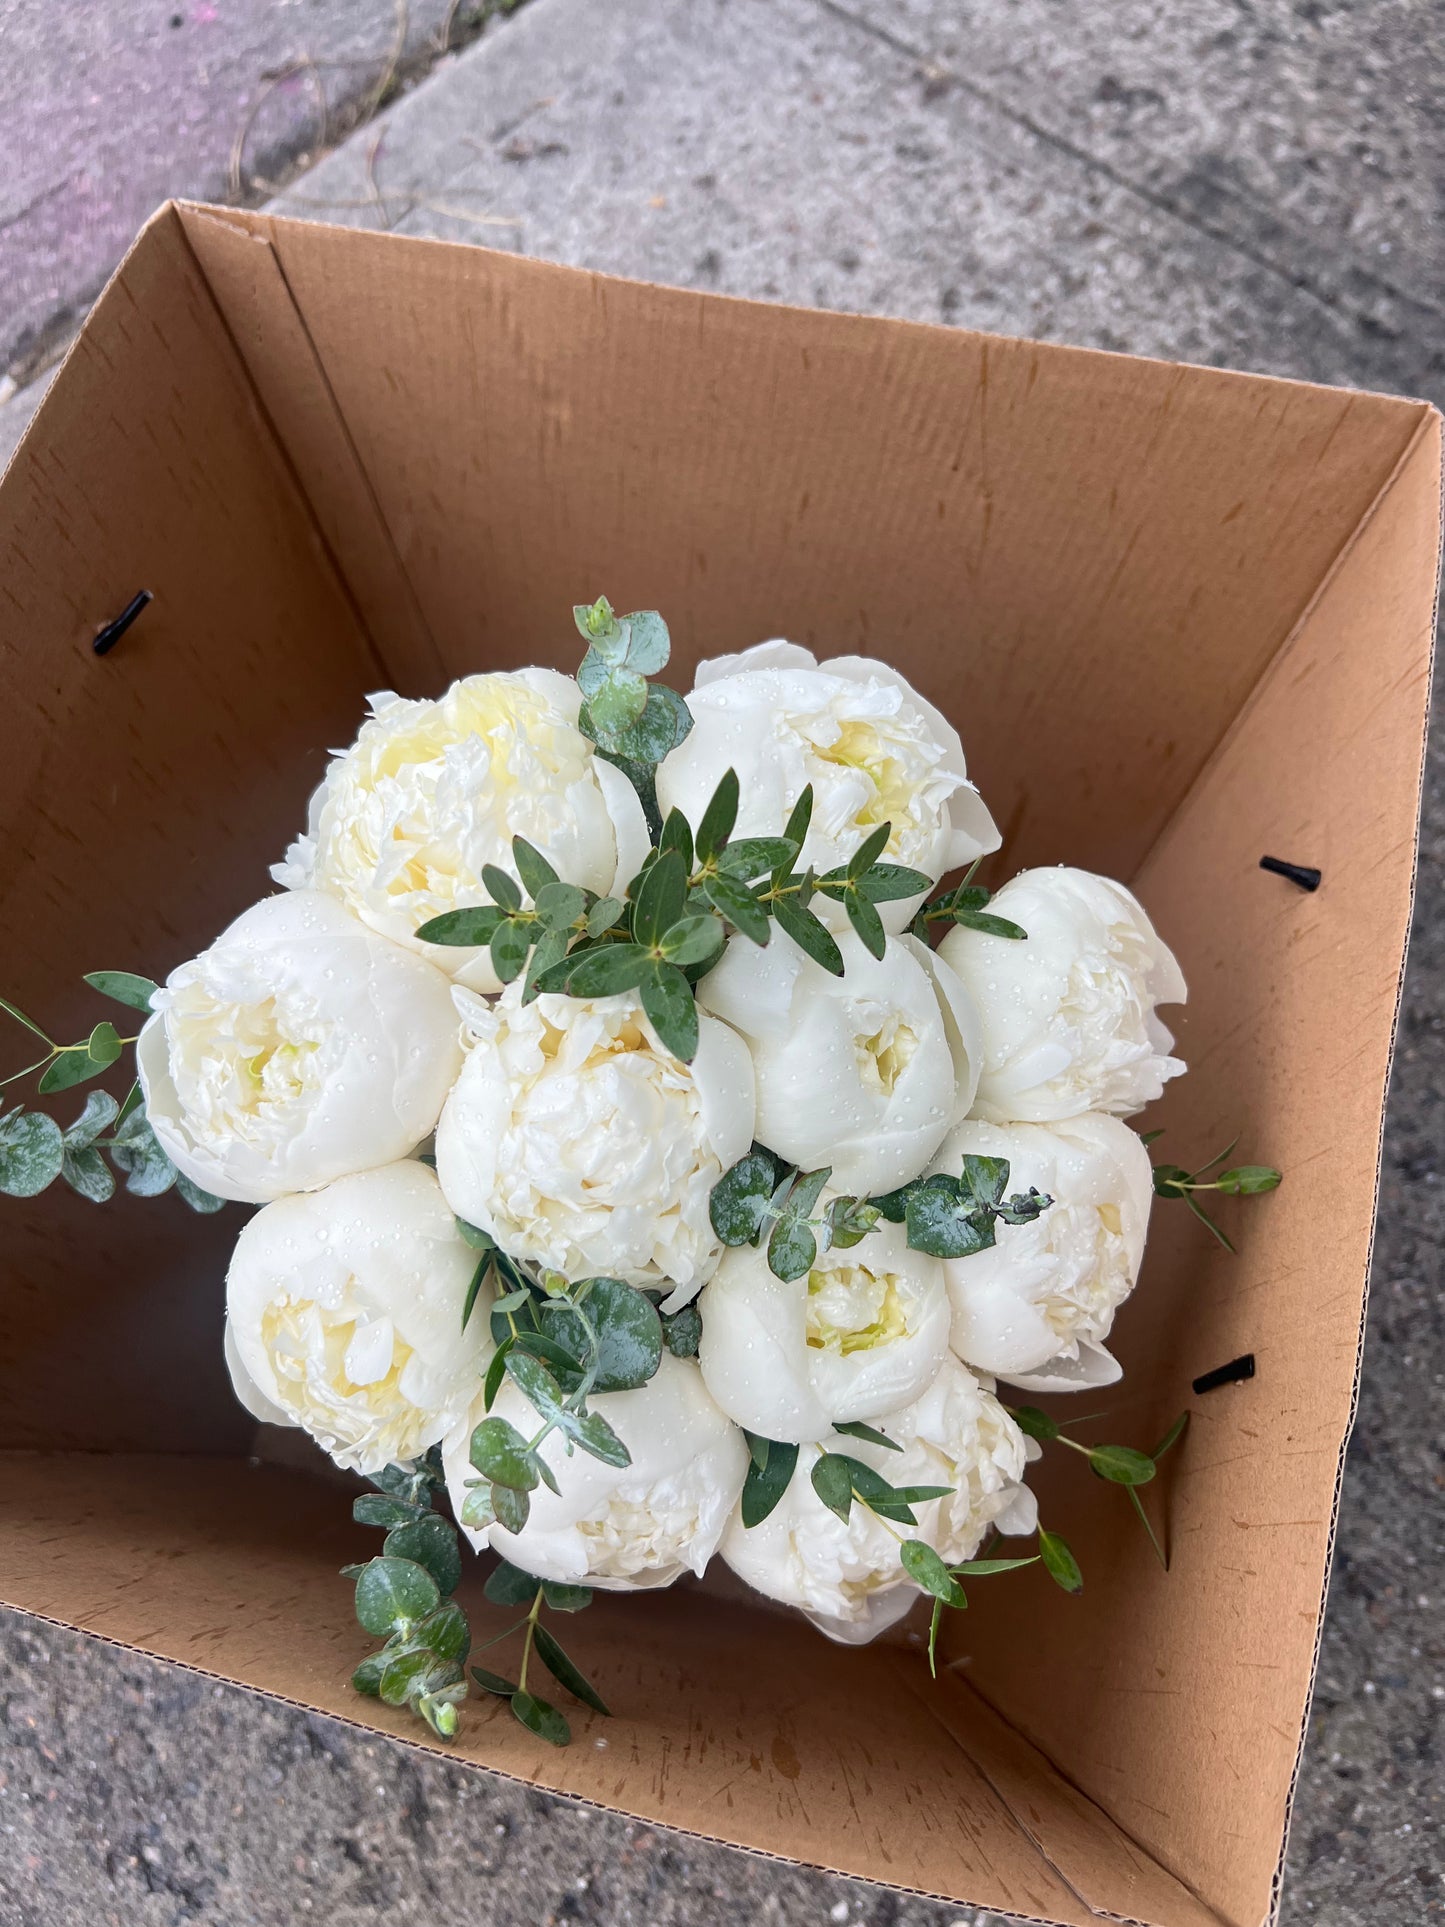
column 693, row 940
column 927, row 1570
column 511, row 941
column 665, row 722
column 615, row 707
column 500, row 1453
column 87, row 1173
column 766, row 1483
column 191, row 1193
column 985, row 1178
column 71, row 1067
column 739, row 1201
column 682, row 1331
column 479, row 1278
column 511, row 1507
column 801, row 815
column 431, row 1542
column 1121, row 1464
column 123, row 987
column 593, row 1433
column 501, row 887
column 605, row 970
column 494, row 1683
column 391, row 1593
column 866, row 922
column 677, row 835
column 376, row 1509
column 559, row 904
column 532, row 867
column 739, row 905
column 988, row 925
column 32, row 1153
column 563, row 1669
column 1033, row 1423
column 136, row 1150
column 833, row 1482
column 603, row 914
column 856, row 1429
column 628, row 1328
column 891, row 882
column 756, row 856
column 792, row 1249
column 648, row 643
column 550, row 949
column 367, row 1677
column 540, row 1718
column 1059, row 1562
column 660, row 898
column 718, row 818
column 508, row 1585
column 472, row 928
column 811, row 936
column 671, row 1009
column 943, row 1221
column 565, row 1599
column 446, row 1630
column 1248, row 1180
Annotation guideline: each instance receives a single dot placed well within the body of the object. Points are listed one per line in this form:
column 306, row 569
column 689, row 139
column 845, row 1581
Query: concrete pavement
column 1245, row 183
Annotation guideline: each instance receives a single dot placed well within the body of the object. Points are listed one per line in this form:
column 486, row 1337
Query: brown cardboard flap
column 280, row 357
column 143, row 794
column 1056, row 545
column 1181, row 1693
column 748, row 1730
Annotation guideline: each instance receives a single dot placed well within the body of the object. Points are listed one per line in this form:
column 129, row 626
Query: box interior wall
column 1181, row 617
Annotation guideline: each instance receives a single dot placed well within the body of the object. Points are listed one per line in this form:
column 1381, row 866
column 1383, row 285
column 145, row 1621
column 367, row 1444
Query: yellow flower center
column 852, row 1309
column 884, row 1055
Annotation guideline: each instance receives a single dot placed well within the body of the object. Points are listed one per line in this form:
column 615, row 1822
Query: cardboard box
column 1183, row 619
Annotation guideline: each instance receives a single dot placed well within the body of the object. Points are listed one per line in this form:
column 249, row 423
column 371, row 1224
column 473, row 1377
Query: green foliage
column 1240, row 1181
column 509, row 1586
column 770, row 1470
column 965, row 906
column 1121, row 1465
column 404, row 1597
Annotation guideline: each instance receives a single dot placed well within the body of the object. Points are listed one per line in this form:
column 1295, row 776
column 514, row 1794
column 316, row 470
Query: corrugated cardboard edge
column 1431, row 422
column 434, row 1751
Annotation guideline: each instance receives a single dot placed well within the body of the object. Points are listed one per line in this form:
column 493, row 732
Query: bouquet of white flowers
column 637, row 1176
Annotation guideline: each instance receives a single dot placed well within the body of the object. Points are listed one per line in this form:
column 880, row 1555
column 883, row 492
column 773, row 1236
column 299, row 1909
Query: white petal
column 762, row 655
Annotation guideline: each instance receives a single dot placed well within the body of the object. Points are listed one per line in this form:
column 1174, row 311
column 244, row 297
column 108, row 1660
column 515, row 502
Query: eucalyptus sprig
column 1240, row 1181
column 404, row 1596
column 1117, row 1464
column 35, row 1150
column 633, row 722
column 966, row 905
column 558, row 1342
column 508, row 1586
column 946, row 1217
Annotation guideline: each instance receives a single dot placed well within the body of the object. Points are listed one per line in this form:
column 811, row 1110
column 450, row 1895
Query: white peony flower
column 431, row 791
column 300, row 1047
column 1068, row 1015
column 847, row 1578
column 1036, row 1307
column 863, row 1072
column 640, row 1525
column 344, row 1315
column 864, row 1332
column 582, row 1144
column 872, row 748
